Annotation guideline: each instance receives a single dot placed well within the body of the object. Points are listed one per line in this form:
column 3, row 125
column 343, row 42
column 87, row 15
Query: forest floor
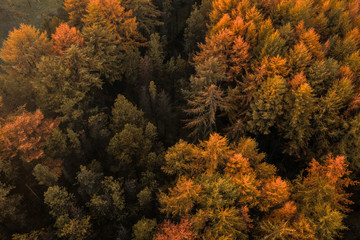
column 15, row 12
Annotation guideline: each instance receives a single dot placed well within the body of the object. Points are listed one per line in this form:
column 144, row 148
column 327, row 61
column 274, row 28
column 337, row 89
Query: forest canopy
column 181, row 120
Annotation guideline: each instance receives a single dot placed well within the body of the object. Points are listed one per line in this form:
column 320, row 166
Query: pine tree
column 300, row 106
column 181, row 159
column 267, row 105
column 33, row 235
column 311, row 40
column 146, row 13
column 275, row 66
column 117, row 62
column 208, row 73
column 321, row 74
column 20, row 53
column 144, row 229
column 244, row 177
column 322, row 196
column 213, row 152
column 23, row 49
column 44, row 175
column 156, row 55
column 353, row 62
column 274, row 191
column 218, row 46
column 345, row 47
column 348, row 144
column 24, row 135
column 9, row 205
column 222, row 7
column 89, row 180
column 76, row 10
column 59, row 200
column 66, row 84
column 23, row 138
column 181, row 199
column 134, row 142
column 272, row 46
column 64, row 37
column 204, row 108
column 109, row 201
column 196, row 25
column 112, row 15
column 124, row 112
column 239, row 58
column 76, row 229
column 180, row 231
column 299, row 58
column 329, row 124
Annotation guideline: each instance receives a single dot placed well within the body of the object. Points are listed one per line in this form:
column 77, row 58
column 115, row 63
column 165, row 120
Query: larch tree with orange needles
column 112, row 15
column 23, row 49
column 76, row 10
column 322, row 195
column 204, row 108
column 20, row 53
column 23, row 137
column 173, row 231
column 64, row 37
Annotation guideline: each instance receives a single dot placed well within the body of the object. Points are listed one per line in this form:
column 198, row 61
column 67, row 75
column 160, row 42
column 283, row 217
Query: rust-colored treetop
column 24, row 47
column 64, row 37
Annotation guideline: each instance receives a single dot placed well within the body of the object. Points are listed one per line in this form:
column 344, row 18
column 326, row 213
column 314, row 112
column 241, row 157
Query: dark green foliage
column 76, row 229
column 134, row 140
column 64, row 84
column 144, row 229
column 59, row 201
column 35, row 235
column 196, row 26
column 109, row 201
column 124, row 112
column 147, row 15
column 89, row 181
column 9, row 205
column 44, row 176
column 103, row 46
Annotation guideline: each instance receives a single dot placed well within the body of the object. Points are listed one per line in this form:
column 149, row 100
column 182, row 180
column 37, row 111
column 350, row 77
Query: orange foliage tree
column 334, row 174
column 110, row 14
column 66, row 36
column 76, row 10
column 25, row 135
column 256, row 42
column 228, row 191
column 218, row 183
column 172, row 231
column 23, row 49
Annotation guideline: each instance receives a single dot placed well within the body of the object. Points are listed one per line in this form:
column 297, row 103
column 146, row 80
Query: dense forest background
column 179, row 119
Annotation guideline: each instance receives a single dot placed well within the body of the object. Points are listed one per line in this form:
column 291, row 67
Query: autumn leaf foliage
column 229, row 192
column 76, row 10
column 66, row 36
column 23, row 49
column 110, row 14
column 173, row 231
column 25, row 135
column 219, row 203
column 291, row 72
column 334, row 174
